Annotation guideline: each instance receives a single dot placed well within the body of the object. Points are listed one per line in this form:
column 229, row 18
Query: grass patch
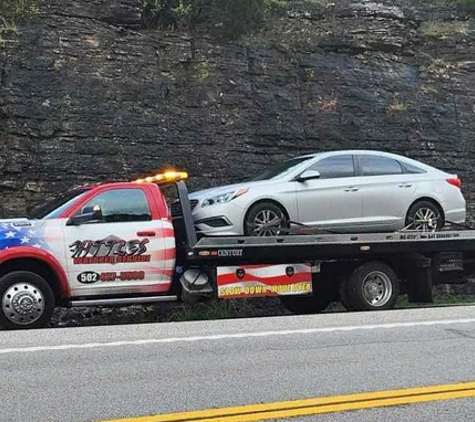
column 396, row 107
column 428, row 90
column 203, row 311
column 204, row 71
column 6, row 29
column 439, row 300
column 12, row 12
column 443, row 30
column 468, row 4
column 227, row 309
column 440, row 67
column 15, row 11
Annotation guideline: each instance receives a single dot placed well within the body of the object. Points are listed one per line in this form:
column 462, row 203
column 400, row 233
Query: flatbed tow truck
column 116, row 244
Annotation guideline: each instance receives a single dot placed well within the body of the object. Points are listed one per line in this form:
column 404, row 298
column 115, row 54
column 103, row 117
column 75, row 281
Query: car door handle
column 405, row 185
column 146, row 234
column 351, row 189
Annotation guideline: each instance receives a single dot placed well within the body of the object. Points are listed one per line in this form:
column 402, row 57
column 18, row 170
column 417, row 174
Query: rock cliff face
column 86, row 95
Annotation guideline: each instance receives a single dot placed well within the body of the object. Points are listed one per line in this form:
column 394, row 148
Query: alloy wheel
column 267, row 223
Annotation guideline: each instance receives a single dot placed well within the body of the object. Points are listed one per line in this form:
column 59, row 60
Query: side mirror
column 88, row 214
column 308, row 175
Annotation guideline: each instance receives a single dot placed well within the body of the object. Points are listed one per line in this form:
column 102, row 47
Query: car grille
column 214, row 222
column 175, row 208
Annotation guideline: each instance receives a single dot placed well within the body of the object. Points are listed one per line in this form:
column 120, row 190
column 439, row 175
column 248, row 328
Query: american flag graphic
column 22, row 233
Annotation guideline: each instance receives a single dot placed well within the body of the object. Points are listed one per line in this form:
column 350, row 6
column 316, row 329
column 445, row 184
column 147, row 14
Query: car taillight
column 455, row 181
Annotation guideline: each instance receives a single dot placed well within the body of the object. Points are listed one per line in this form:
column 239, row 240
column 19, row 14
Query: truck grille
column 175, row 207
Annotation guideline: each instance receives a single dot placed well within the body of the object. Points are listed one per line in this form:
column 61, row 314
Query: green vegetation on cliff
column 12, row 12
column 466, row 3
column 223, row 18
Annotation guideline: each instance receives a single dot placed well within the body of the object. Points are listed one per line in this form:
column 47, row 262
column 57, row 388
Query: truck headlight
column 224, row 197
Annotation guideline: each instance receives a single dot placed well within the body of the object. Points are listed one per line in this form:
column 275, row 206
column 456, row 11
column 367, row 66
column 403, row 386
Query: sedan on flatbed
column 340, row 191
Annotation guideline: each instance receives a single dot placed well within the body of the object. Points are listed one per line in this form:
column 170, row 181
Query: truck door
column 124, row 249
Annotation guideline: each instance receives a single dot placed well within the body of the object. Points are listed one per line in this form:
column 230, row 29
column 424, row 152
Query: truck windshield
column 280, row 169
column 53, row 208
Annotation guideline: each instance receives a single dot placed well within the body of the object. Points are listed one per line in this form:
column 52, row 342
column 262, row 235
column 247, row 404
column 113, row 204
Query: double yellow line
column 287, row 409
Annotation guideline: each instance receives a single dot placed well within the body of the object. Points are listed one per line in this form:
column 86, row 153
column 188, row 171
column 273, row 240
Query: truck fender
column 24, row 252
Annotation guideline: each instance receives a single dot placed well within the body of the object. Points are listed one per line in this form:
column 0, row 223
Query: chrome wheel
column 23, row 303
column 377, row 288
column 425, row 219
column 267, row 223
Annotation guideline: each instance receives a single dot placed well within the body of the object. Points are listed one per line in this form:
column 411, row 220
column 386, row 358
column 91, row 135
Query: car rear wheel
column 424, row 216
column 265, row 219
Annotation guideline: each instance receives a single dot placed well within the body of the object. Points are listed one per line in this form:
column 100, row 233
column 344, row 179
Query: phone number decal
column 123, row 276
column 89, row 277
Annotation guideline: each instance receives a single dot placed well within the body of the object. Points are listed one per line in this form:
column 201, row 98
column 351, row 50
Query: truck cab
column 99, row 241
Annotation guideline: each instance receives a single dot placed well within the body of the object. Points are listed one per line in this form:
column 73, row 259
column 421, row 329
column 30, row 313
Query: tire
column 424, row 215
column 372, row 286
column 26, row 300
column 302, row 305
column 258, row 221
column 344, row 296
column 315, row 303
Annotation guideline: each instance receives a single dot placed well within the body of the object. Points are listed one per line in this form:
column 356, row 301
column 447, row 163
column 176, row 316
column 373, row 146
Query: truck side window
column 121, row 205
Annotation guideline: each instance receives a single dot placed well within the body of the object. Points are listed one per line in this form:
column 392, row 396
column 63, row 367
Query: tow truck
column 118, row 243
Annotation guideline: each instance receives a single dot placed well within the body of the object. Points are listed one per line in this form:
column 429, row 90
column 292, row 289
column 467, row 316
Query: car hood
column 209, row 193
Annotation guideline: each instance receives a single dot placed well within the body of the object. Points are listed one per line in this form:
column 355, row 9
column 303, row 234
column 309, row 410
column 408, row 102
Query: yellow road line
column 287, row 409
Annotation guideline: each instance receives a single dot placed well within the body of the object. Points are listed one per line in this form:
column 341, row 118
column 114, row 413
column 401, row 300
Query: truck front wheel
column 372, row 286
column 27, row 301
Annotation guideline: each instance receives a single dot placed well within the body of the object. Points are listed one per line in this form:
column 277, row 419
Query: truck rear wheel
column 344, row 296
column 323, row 294
column 372, row 286
column 305, row 304
column 27, row 301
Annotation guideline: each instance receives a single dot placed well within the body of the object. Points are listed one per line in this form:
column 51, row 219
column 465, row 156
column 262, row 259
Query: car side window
column 120, row 205
column 335, row 167
column 379, row 166
column 410, row 169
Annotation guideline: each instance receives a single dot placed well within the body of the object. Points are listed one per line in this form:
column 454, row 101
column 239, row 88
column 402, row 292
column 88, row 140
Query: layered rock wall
column 87, row 95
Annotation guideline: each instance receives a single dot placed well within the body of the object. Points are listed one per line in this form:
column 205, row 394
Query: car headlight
column 224, row 197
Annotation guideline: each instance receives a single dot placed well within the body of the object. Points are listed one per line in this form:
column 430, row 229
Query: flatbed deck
column 301, row 248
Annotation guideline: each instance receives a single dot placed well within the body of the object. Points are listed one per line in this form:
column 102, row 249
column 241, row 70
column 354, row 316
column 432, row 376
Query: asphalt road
column 113, row 372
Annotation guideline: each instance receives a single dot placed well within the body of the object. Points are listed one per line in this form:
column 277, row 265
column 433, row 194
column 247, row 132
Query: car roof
column 402, row 158
column 352, row 151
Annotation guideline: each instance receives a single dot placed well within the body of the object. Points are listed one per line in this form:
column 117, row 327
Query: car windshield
column 53, row 208
column 280, row 169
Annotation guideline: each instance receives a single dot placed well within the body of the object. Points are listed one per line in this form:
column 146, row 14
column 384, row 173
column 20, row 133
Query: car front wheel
column 265, row 219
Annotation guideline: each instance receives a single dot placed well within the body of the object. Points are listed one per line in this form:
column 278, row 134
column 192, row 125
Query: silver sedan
column 340, row 191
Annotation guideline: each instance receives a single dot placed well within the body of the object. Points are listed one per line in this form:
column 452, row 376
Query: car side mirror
column 308, row 175
column 88, row 214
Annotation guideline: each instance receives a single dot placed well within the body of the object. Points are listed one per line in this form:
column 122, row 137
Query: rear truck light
column 455, row 181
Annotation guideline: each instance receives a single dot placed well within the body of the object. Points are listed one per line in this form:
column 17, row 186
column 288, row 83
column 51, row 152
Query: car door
column 386, row 191
column 332, row 200
column 124, row 251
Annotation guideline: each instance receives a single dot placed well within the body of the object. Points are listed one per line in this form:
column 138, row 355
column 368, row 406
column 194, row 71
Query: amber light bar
column 165, row 177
